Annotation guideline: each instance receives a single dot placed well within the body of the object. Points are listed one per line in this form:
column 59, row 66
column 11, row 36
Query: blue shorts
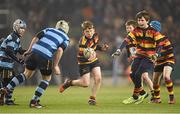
column 141, row 65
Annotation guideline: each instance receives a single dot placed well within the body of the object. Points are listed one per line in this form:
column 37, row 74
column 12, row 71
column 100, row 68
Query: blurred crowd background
column 108, row 16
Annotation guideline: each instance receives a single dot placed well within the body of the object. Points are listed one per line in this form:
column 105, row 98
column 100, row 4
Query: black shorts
column 86, row 68
column 35, row 60
column 159, row 68
column 141, row 65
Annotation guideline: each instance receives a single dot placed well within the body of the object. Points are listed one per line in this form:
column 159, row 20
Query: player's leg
column 29, row 70
column 96, row 73
column 34, row 103
column 20, row 78
column 146, row 68
column 156, row 85
column 15, row 81
column 135, row 79
column 84, row 81
column 45, row 67
column 7, row 76
column 148, row 81
column 169, row 84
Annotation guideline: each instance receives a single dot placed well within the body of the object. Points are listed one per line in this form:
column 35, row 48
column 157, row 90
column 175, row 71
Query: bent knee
column 85, row 83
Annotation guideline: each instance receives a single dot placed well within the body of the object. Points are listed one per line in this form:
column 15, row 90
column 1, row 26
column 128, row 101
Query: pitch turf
column 74, row 100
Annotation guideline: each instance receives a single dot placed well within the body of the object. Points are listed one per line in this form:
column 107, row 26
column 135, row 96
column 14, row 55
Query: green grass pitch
column 74, row 100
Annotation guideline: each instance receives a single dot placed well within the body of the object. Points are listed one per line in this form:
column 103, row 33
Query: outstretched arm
column 38, row 36
column 57, row 58
column 34, row 40
column 119, row 50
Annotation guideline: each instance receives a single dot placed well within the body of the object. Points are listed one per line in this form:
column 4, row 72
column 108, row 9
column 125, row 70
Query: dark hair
column 144, row 14
column 131, row 22
column 87, row 24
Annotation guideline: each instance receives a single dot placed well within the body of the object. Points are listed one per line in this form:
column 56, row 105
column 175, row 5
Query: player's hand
column 105, row 47
column 132, row 51
column 117, row 53
column 93, row 56
column 154, row 57
column 57, row 70
column 26, row 53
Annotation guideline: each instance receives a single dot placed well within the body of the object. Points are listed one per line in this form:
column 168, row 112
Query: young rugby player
column 88, row 67
column 9, row 47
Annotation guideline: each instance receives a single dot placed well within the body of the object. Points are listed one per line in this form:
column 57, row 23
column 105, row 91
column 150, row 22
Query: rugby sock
column 40, row 90
column 135, row 93
column 10, row 92
column 169, row 86
column 156, row 91
column 9, row 95
column 16, row 81
column 152, row 93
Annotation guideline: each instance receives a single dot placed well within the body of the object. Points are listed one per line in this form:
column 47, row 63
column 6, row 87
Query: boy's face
column 89, row 32
column 142, row 22
column 129, row 28
column 21, row 31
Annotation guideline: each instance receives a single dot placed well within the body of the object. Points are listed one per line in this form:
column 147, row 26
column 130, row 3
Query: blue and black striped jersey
column 50, row 40
column 12, row 43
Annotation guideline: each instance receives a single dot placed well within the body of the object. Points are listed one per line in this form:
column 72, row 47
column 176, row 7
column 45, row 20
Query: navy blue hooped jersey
column 12, row 42
column 50, row 40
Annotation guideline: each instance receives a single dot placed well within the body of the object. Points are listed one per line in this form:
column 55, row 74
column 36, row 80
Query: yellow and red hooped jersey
column 85, row 42
column 167, row 53
column 130, row 48
column 147, row 40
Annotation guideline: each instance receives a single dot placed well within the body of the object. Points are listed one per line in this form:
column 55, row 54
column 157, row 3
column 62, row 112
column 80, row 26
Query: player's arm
column 103, row 47
column 160, row 41
column 100, row 47
column 9, row 50
column 122, row 46
column 58, row 56
column 34, row 40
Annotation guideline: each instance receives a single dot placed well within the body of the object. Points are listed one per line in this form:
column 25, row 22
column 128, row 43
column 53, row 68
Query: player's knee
column 85, row 83
column 166, row 77
column 144, row 78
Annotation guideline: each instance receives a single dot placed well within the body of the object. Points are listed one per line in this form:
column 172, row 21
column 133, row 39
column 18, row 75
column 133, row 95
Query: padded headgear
column 156, row 25
column 62, row 24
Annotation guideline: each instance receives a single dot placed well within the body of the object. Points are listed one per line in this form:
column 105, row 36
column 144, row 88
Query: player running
column 131, row 52
column 148, row 41
column 87, row 67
